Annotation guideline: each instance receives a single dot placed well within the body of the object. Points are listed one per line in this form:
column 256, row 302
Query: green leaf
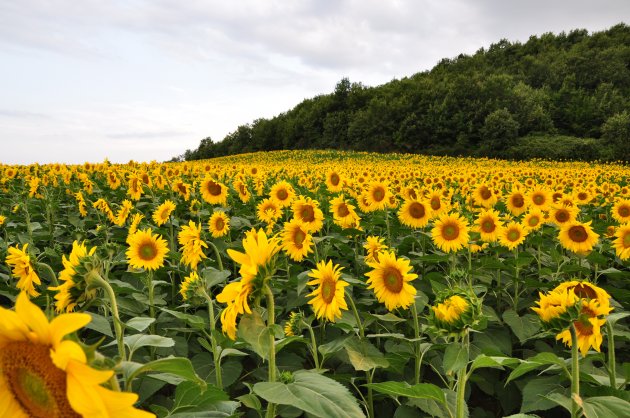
column 100, row 324
column 302, row 279
column 140, row 323
column 178, row 366
column 523, row 326
column 192, row 401
column 614, row 317
column 333, row 346
column 418, row 391
column 533, row 391
column 313, row 393
column 455, row 358
column 192, row 320
column 253, row 330
column 388, row 317
column 483, row 361
column 533, row 363
column 213, row 276
column 137, row 341
column 363, row 355
column 605, row 407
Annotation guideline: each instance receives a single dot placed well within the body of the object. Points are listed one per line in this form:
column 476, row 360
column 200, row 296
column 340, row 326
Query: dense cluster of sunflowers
column 402, row 255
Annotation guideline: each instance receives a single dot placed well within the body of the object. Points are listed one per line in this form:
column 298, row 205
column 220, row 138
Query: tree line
column 560, row 96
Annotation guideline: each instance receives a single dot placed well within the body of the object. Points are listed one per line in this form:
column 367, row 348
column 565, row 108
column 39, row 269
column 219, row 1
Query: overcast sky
column 85, row 80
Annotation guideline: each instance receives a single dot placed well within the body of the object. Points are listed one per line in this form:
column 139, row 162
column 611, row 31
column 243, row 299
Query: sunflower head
column 294, row 325
column 328, row 298
column 19, row 259
column 219, row 224
column 450, row 232
column 415, row 213
column 146, row 250
column 78, row 284
column 454, row 312
column 577, row 236
column 390, row 277
column 191, row 288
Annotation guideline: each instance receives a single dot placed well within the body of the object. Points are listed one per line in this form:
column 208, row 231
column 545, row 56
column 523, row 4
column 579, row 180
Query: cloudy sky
column 85, row 80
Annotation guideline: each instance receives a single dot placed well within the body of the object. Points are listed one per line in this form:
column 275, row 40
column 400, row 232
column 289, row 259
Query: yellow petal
column 66, row 324
column 34, row 318
column 66, row 351
column 86, row 374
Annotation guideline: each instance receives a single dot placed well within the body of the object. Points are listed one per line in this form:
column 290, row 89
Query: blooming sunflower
column 146, row 250
column 378, row 195
column 268, row 211
column 21, row 267
column 328, row 298
column 334, row 181
column 436, row 203
column 587, row 327
column 183, row 189
column 450, row 232
column 577, row 236
column 560, row 215
column 308, row 212
column 219, row 224
column 488, row 225
column 516, row 202
column 296, row 241
column 294, row 325
column 191, row 244
column 540, row 197
column 533, row 220
column 622, row 241
column 242, row 190
column 621, row 211
column 4, row 218
column 390, row 277
column 43, row 375
column 512, row 235
column 344, row 214
column 374, row 246
column 163, row 212
column 415, row 213
column 553, row 304
column 213, row 192
column 73, row 290
column 483, row 196
column 282, row 193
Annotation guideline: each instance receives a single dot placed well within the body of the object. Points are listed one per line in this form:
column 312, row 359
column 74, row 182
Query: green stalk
column 575, row 372
column 151, row 300
column 357, row 318
column 313, row 345
column 215, row 349
column 462, row 378
column 271, row 313
column 217, row 255
column 94, row 277
column 416, row 329
column 516, row 271
column 612, row 373
column 389, row 236
column 53, row 276
column 368, row 375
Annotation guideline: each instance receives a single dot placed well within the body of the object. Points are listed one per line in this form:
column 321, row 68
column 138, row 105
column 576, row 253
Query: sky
column 145, row 80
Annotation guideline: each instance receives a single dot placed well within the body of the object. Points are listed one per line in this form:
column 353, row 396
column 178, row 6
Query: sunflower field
column 315, row 284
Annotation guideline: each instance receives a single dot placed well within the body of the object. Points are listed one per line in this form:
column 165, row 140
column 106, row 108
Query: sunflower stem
column 96, row 278
column 612, row 373
column 271, row 313
column 53, row 276
column 217, row 255
column 370, row 394
column 416, row 329
column 213, row 341
column 357, row 318
column 462, row 377
column 313, row 345
column 389, row 236
column 575, row 372
column 516, row 272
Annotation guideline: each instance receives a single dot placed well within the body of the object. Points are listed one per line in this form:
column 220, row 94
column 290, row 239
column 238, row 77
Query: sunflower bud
column 294, row 324
column 191, row 288
column 454, row 312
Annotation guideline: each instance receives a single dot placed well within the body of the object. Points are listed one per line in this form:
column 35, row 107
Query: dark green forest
column 559, row 96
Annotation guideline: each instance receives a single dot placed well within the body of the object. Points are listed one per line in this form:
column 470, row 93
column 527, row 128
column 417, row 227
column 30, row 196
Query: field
column 320, row 284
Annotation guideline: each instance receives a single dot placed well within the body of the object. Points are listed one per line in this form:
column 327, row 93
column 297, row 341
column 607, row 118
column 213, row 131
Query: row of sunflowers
column 315, row 283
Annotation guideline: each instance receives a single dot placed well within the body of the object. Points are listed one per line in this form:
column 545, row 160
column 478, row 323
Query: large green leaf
column 313, row 393
column 533, row 391
column 533, row 363
column 178, row 366
column 363, row 355
column 605, row 407
column 253, row 330
column 418, row 391
column 523, row 326
column 455, row 358
column 137, row 341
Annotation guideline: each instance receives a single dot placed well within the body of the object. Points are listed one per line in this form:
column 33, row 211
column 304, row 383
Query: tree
column 499, row 131
column 616, row 134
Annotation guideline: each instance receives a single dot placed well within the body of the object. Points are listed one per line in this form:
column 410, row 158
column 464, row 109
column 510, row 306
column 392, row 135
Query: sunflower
column 540, row 197
column 194, row 207
column 282, row 193
column 415, row 213
column 512, row 235
column 296, row 241
column 242, row 190
column 191, row 285
column 374, row 246
column 484, row 196
column 259, row 254
column 191, row 244
column 146, row 250
column 4, row 218
column 533, row 220
column 436, row 203
column 587, row 327
column 328, row 298
column 390, row 277
column 554, row 304
column 588, row 291
column 378, row 195
column 219, row 224
column 582, row 197
column 123, row 213
column 488, row 225
column 560, row 215
column 268, row 211
column 163, row 212
column 344, row 214
column 134, row 188
column 308, row 212
column 183, row 189
column 622, row 242
column 450, row 310
column 213, row 192
column 334, row 181
column 135, row 221
column 73, row 290
column 516, row 202
column 577, row 237
column 44, row 375
column 450, row 232
column 621, row 211
column 20, row 262
column 294, row 324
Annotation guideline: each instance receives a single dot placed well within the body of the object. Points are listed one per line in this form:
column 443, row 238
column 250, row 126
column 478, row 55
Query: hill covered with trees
column 555, row 96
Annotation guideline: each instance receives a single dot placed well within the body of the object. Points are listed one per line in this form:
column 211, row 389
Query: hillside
column 557, row 95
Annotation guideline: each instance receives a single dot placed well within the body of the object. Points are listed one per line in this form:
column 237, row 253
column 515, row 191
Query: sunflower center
column 585, row 291
column 556, row 196
column 147, row 251
column 583, row 327
column 378, row 194
column 343, row 210
column 577, row 233
column 435, row 203
column 450, row 232
column 538, row 199
column 562, row 216
column 282, row 194
column 416, row 210
column 34, row 381
column 299, row 237
column 513, row 235
column 308, row 214
column 214, row 189
column 334, row 179
column 626, row 240
column 219, row 224
column 393, row 280
column 485, row 193
column 624, row 211
column 533, row 221
column 582, row 196
column 488, row 226
column 328, row 290
column 518, row 201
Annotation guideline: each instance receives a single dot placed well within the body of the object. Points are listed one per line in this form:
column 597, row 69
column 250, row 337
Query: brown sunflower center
column 147, row 251
column 393, row 280
column 34, row 381
column 334, row 179
column 282, row 194
column 577, row 233
column 450, row 231
column 308, row 214
column 343, row 210
column 584, row 291
column 435, row 203
column 513, row 235
column 485, row 193
column 538, row 199
column 488, row 226
column 328, row 290
column 219, row 224
column 416, row 210
column 298, row 238
column 626, row 240
column 624, row 211
column 562, row 215
column 583, row 327
column 556, row 196
column 214, row 189
column 378, row 194
column 533, row 221
column 518, row 201
column 582, row 196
